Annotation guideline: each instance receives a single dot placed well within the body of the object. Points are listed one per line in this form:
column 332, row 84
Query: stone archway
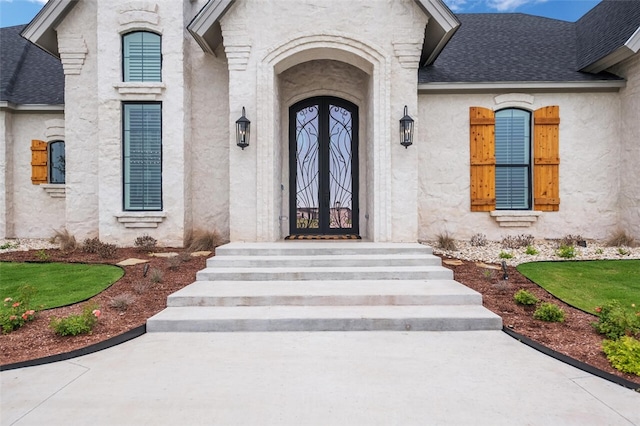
column 269, row 128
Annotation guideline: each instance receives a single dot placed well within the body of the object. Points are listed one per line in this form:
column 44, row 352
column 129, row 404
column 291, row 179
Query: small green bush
column 75, row 324
column 566, row 252
column 623, row 354
column 14, row 313
column 531, row 250
column 42, row 255
column 505, row 255
column 549, row 312
column 523, row 297
column 623, row 252
column 615, row 321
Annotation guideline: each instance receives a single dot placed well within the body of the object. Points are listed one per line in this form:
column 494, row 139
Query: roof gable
column 41, row 31
column 205, row 26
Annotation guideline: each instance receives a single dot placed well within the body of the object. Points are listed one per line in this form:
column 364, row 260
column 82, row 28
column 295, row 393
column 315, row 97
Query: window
column 47, row 162
column 513, row 167
column 142, row 128
column 142, row 57
column 513, row 159
column 56, row 162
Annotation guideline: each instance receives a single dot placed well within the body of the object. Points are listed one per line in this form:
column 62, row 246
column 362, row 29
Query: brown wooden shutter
column 38, row 162
column 546, row 159
column 483, row 159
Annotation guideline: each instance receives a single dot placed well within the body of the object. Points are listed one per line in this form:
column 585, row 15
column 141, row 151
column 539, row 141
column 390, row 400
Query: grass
column 588, row 284
column 56, row 284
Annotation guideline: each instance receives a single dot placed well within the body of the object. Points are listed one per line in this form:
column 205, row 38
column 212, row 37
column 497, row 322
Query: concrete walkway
column 318, row 378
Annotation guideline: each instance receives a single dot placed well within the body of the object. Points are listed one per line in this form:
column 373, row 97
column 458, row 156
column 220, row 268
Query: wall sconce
column 406, row 129
column 243, row 126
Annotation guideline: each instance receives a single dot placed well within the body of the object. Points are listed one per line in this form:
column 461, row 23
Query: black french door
column 323, row 167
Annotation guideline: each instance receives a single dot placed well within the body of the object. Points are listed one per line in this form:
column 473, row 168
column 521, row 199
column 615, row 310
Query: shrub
column 524, row 297
column 203, row 241
column 614, row 321
column 184, row 256
column 566, row 252
column 122, row 301
column 623, row 252
column 621, row 239
column 65, row 239
column 8, row 245
column 549, row 312
column 145, row 243
column 14, row 313
column 42, row 255
column 623, row 354
column 156, row 276
column 479, row 240
column 446, row 242
column 91, row 245
column 107, row 251
column 505, row 255
column 75, row 324
column 173, row 263
column 141, row 287
column 531, row 250
column 516, row 242
column 570, row 240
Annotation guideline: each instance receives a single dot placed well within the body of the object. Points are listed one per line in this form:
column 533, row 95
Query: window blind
column 142, row 57
column 513, row 159
column 142, row 156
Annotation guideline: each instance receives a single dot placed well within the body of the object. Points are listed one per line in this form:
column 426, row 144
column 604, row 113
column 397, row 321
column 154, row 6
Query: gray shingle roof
column 605, row 28
column 28, row 74
column 509, row 47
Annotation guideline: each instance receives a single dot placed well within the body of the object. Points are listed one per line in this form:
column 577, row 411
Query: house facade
column 519, row 124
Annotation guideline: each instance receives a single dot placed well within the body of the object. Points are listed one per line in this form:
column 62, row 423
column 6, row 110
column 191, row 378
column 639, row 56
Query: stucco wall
column 589, row 167
column 367, row 35
column 210, row 140
column 31, row 211
column 77, row 33
column 630, row 152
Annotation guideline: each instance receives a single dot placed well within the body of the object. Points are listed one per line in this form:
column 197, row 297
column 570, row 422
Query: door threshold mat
column 323, row 237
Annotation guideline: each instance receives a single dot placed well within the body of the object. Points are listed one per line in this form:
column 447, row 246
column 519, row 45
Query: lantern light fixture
column 406, row 129
column 243, row 125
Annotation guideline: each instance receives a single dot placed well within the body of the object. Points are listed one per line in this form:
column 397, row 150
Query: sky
column 17, row 12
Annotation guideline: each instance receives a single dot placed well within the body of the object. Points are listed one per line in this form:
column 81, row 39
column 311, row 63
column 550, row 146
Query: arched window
column 513, row 159
column 56, row 162
column 141, row 56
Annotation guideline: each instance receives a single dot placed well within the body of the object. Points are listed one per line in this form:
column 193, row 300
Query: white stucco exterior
column 271, row 55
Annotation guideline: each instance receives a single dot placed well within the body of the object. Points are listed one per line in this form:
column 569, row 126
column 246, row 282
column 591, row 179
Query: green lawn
column 587, row 284
column 56, row 284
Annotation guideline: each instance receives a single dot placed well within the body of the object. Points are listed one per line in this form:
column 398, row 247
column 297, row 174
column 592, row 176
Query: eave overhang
column 205, row 27
column 4, row 105
column 630, row 48
column 529, row 86
column 41, row 31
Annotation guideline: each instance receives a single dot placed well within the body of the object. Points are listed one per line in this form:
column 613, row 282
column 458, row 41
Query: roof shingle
column 28, row 74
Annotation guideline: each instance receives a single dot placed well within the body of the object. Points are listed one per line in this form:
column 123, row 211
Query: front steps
column 324, row 286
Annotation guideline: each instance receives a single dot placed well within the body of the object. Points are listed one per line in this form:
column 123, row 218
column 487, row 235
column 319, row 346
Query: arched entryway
column 323, row 167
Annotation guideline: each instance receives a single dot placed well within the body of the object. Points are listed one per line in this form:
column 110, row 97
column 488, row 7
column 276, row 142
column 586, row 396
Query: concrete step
column 302, row 273
column 317, row 293
column 324, row 260
column 314, row 248
column 324, row 318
